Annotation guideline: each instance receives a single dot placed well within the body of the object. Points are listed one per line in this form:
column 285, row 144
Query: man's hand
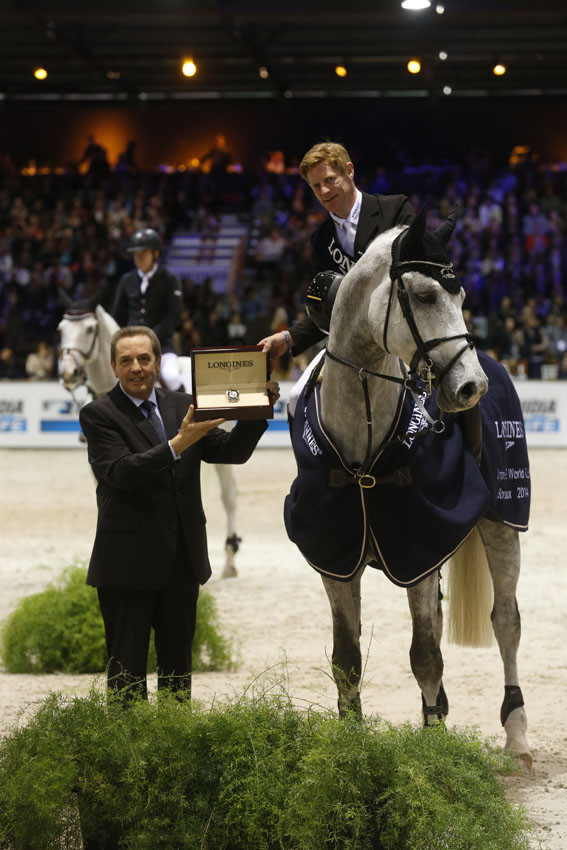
column 273, row 389
column 189, row 431
column 275, row 344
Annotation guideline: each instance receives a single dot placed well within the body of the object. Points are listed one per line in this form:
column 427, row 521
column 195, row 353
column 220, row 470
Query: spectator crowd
column 65, row 231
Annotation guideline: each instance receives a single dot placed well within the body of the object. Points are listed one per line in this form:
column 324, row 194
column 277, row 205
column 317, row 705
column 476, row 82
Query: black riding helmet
column 143, row 239
column 321, row 294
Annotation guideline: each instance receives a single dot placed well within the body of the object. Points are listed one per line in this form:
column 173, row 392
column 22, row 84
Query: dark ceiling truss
column 130, row 50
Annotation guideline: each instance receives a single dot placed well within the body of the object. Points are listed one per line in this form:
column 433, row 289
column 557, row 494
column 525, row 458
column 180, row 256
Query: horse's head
column 79, row 335
column 415, row 313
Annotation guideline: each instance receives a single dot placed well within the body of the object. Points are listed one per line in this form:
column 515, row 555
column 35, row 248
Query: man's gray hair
column 135, row 330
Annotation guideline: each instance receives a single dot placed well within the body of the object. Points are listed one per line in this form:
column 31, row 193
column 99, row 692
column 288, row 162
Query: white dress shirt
column 346, row 227
column 152, row 397
column 145, row 280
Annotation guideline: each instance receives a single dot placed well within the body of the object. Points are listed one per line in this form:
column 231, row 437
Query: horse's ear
column 412, row 237
column 94, row 301
column 64, row 300
column 445, row 230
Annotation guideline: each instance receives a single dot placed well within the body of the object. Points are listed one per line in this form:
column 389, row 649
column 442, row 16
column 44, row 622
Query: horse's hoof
column 527, row 759
column 229, row 571
column 515, row 727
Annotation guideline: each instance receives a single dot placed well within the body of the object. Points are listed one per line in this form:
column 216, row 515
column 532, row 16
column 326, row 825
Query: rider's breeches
column 170, row 374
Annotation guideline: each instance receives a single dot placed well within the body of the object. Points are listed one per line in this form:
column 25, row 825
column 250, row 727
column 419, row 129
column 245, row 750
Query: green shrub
column 61, row 630
column 252, row 774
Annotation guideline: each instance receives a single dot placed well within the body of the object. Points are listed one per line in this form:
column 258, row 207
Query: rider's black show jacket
column 159, row 307
column 378, row 213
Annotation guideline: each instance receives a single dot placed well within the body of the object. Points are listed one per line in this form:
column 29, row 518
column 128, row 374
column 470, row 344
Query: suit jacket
column 378, row 213
column 145, row 497
column 159, row 307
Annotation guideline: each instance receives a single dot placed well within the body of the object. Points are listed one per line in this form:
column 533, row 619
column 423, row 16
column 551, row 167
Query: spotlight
column 40, row 73
column 447, row 89
column 443, row 55
column 414, row 66
column 415, row 5
column 499, row 69
column 440, row 9
column 188, row 69
column 340, row 71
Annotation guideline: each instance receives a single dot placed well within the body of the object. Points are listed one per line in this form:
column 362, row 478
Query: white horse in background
column 402, row 304
column 84, row 361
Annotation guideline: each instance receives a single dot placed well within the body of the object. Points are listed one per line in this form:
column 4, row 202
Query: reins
column 408, row 383
column 422, row 348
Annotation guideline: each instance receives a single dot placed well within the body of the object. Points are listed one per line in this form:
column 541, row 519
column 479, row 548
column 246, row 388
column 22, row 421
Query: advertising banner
column 42, row 414
column 544, row 406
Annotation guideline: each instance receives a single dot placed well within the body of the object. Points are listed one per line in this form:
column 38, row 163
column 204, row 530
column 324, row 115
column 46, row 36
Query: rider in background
column 151, row 295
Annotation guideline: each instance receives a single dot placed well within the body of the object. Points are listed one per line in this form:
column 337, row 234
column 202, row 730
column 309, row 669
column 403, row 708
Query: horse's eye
column 426, row 297
column 90, row 330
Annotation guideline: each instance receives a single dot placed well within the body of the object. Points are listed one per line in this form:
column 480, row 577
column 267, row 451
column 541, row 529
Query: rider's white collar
column 145, row 278
column 345, row 228
column 353, row 216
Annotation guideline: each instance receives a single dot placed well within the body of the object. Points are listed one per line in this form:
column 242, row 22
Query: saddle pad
column 415, row 522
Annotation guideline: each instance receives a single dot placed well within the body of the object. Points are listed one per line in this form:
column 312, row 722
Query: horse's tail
column 470, row 596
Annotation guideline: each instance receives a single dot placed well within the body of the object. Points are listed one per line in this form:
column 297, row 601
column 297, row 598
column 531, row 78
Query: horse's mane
column 106, row 327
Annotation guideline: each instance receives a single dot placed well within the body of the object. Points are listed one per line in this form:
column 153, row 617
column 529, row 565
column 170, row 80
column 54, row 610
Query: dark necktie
column 154, row 419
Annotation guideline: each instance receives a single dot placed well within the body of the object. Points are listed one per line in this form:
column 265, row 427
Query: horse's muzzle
column 464, row 397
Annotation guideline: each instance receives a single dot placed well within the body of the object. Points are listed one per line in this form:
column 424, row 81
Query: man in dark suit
column 150, row 550
column 354, row 220
column 151, row 295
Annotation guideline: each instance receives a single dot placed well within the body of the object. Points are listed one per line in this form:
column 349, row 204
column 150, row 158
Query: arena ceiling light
column 340, row 71
column 499, row 69
column 40, row 73
column 188, row 68
column 415, row 5
column 414, row 66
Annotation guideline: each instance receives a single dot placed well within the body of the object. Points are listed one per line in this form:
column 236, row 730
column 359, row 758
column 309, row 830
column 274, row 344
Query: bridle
column 422, row 348
column 409, row 380
column 73, row 351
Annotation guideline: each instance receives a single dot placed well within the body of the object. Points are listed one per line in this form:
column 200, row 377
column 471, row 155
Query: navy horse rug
column 423, row 492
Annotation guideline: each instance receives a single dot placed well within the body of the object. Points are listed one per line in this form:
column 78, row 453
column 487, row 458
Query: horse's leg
column 347, row 662
column 229, row 492
column 425, row 652
column 502, row 546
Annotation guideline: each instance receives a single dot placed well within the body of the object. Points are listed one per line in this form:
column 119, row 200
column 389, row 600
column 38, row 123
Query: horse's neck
column 100, row 374
column 99, row 371
column 343, row 404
